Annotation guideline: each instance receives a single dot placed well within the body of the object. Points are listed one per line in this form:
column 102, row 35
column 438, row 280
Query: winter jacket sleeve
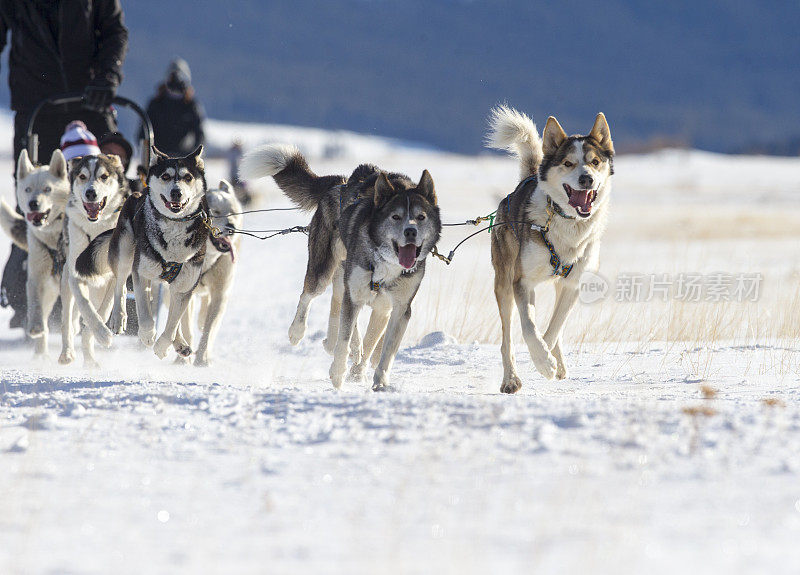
column 4, row 27
column 112, row 42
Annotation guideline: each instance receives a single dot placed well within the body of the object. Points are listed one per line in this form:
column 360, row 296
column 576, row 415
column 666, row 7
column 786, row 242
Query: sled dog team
column 369, row 237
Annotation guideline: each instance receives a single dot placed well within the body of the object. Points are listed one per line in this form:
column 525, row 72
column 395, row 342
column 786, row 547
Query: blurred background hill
column 712, row 74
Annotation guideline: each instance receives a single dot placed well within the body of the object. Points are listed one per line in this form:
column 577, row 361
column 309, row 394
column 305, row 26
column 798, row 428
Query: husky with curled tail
column 547, row 230
column 370, row 235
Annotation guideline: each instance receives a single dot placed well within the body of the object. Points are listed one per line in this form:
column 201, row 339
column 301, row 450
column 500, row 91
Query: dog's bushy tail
column 14, row 225
column 515, row 132
column 290, row 170
column 93, row 261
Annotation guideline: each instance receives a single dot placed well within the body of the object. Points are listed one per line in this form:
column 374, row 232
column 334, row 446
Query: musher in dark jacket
column 58, row 46
column 176, row 114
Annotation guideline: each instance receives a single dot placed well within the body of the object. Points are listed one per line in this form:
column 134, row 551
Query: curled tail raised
column 515, row 132
column 289, row 169
column 14, row 225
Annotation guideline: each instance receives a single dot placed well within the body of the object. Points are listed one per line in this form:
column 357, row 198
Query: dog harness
column 58, row 260
column 171, row 270
column 553, row 209
column 376, row 286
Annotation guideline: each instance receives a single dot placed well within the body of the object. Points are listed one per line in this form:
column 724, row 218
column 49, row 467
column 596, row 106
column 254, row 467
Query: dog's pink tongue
column 581, row 199
column 407, row 255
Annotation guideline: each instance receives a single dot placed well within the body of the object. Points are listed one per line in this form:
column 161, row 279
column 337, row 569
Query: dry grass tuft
column 773, row 402
column 699, row 410
column 708, row 391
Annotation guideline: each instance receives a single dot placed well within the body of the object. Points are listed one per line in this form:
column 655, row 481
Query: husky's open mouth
column 224, row 245
column 581, row 200
column 174, row 207
column 37, row 218
column 407, row 255
column 93, row 209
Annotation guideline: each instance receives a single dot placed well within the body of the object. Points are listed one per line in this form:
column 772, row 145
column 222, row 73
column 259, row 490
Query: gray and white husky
column 370, row 235
column 548, row 229
column 161, row 237
column 216, row 278
column 99, row 189
column 42, row 193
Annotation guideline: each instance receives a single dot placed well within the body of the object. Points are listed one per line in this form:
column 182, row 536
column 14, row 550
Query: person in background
column 176, row 114
column 58, row 46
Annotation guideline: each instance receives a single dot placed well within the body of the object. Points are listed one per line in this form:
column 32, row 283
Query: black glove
column 98, row 95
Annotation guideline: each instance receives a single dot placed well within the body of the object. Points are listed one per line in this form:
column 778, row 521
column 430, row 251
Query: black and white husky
column 99, row 189
column 370, row 235
column 42, row 193
column 548, row 229
column 161, row 237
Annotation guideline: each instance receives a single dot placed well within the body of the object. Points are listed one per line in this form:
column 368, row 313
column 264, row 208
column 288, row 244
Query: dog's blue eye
column 47, row 190
column 395, row 217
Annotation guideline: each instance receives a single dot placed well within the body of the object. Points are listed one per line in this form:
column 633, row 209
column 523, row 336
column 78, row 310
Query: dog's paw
column 67, row 357
column 546, row 365
column 380, row 382
column 182, row 360
column 147, row 336
column 161, row 346
column 561, row 371
column 337, row 375
column 511, row 384
column 296, row 332
column 356, row 373
column 202, row 360
column 118, row 322
column 104, row 336
column 183, row 348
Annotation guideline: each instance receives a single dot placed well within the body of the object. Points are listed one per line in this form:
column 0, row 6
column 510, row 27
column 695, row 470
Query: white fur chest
column 171, row 244
column 50, row 235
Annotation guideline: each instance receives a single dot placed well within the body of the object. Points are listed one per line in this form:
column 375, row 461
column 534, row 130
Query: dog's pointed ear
column 383, row 189
column 225, row 186
column 117, row 161
column 58, row 165
column 196, row 156
column 553, row 136
column 602, row 133
column 24, row 166
column 426, row 188
column 156, row 155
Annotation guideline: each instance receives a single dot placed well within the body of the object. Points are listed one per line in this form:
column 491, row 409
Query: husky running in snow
column 370, row 235
column 555, row 219
column 99, row 189
column 42, row 193
column 216, row 278
column 161, row 237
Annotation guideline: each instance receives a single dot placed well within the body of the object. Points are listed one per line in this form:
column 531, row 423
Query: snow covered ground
column 674, row 446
